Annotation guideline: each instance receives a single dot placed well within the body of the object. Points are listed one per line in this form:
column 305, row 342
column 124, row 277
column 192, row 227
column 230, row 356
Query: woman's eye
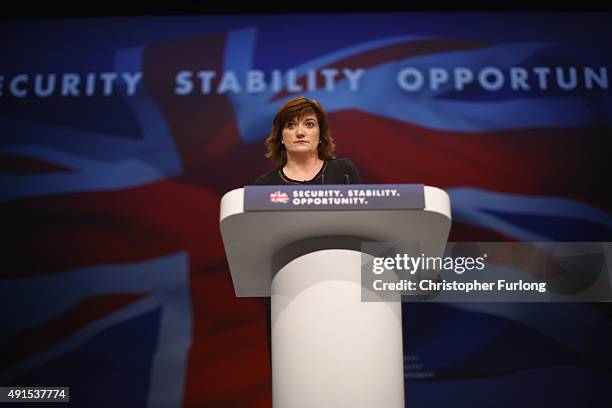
column 290, row 125
column 309, row 124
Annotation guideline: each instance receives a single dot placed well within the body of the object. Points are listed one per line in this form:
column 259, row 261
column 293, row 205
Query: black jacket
column 334, row 171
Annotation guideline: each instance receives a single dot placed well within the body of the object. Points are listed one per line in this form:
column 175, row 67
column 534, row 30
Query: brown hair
column 297, row 107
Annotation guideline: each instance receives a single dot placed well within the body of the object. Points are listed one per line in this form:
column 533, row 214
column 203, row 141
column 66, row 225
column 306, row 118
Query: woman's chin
column 301, row 149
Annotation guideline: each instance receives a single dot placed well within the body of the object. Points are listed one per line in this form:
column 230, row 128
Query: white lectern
column 329, row 349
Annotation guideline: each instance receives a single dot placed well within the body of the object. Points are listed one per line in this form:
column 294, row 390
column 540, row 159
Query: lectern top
column 259, row 221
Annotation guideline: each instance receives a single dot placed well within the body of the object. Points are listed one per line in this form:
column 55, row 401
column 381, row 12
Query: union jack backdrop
column 119, row 136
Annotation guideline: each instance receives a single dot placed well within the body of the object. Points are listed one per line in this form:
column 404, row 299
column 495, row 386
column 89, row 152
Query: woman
column 302, row 148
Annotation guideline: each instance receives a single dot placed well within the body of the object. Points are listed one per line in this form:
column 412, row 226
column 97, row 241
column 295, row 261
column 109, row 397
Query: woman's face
column 301, row 135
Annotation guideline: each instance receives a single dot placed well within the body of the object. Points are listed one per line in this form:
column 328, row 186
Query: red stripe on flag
column 203, row 125
column 557, row 162
column 53, row 234
column 228, row 361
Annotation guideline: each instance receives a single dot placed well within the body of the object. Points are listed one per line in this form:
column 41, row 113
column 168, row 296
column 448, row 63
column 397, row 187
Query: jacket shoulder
column 342, row 163
column 266, row 179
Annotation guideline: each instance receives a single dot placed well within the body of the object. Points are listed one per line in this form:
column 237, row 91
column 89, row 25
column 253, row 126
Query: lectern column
column 329, row 349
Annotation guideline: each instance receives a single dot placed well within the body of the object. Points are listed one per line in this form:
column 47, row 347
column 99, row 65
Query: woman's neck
column 302, row 168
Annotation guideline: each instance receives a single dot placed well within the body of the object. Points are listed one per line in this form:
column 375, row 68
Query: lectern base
column 328, row 348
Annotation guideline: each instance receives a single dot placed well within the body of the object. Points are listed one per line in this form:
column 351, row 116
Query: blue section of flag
column 112, row 369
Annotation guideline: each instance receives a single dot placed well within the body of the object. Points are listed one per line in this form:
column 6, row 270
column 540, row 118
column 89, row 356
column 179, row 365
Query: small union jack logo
column 279, row 197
